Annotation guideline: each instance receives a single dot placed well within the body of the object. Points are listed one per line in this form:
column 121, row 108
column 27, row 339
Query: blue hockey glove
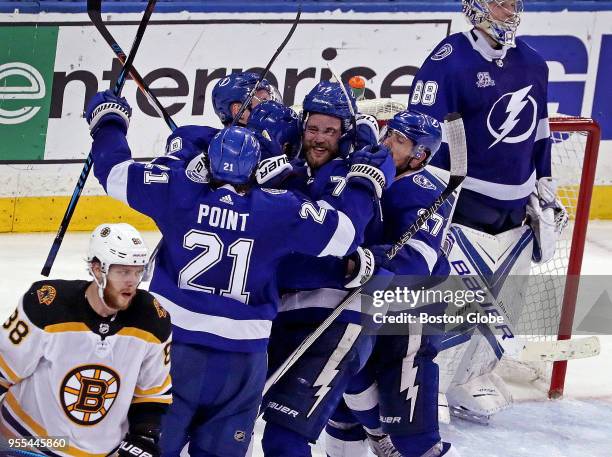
column 374, row 166
column 107, row 107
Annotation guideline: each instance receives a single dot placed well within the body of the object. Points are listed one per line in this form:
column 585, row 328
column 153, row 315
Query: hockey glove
column 360, row 268
column 547, row 218
column 138, row 446
column 106, row 107
column 272, row 171
column 380, row 255
column 374, row 166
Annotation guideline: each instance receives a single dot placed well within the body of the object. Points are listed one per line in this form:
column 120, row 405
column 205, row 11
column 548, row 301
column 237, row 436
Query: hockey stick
column 455, row 135
column 554, row 351
column 264, row 73
column 348, row 100
column 95, row 7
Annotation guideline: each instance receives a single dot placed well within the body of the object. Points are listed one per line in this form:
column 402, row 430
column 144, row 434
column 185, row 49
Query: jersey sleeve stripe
column 342, row 239
column 154, row 390
column 116, row 184
column 501, row 191
column 7, row 373
column 233, row 329
column 166, row 399
column 139, row 333
column 67, row 327
column 428, row 253
column 543, row 130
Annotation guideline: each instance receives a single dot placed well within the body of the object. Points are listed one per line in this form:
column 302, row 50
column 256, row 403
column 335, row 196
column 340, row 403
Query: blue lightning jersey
column 216, row 269
column 502, row 97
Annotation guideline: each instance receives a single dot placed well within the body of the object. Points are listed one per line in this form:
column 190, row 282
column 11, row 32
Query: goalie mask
column 424, row 131
column 277, row 128
column 498, row 18
column 235, row 88
column 233, row 155
column 329, row 99
column 115, row 244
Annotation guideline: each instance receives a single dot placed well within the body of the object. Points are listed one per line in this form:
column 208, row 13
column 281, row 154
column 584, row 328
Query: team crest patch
column 105, row 232
column 442, row 53
column 239, row 435
column 88, row 392
column 484, row 79
column 175, row 145
column 161, row 312
column 46, row 294
column 422, row 181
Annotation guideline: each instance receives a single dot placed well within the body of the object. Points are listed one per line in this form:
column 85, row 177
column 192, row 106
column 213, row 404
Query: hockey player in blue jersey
column 230, row 92
column 499, row 84
column 395, row 397
column 299, row 404
column 216, row 270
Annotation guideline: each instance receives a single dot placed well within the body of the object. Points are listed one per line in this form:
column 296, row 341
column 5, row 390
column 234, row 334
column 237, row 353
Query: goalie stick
column 455, row 135
column 264, row 73
column 93, row 7
column 555, row 351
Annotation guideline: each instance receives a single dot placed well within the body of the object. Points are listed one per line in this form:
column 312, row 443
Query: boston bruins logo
column 88, row 393
column 46, row 294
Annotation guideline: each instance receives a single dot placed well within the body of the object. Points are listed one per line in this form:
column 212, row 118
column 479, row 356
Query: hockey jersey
column 70, row 372
column 502, row 96
column 216, row 269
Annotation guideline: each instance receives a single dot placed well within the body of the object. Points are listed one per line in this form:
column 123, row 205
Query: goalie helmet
column 502, row 30
column 235, row 88
column 117, row 244
column 277, row 128
column 424, row 131
column 233, row 155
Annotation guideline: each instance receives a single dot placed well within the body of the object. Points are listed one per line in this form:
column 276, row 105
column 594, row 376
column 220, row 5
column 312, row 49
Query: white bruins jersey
column 70, row 372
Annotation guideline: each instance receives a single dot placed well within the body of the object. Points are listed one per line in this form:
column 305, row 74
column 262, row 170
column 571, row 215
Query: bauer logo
column 27, row 58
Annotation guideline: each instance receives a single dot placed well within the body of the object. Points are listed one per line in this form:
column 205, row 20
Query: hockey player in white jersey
column 89, row 360
column 499, row 84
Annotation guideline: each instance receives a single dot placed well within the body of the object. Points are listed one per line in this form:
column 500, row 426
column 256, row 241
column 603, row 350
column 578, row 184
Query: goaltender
column 88, row 360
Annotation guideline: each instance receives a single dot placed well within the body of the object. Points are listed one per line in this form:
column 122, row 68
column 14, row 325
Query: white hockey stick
column 455, row 135
column 554, row 351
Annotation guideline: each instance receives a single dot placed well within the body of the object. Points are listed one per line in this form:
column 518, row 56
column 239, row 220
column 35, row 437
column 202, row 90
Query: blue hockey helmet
column 277, row 128
column 235, row 88
column 328, row 98
column 501, row 29
column 233, row 155
column 424, row 131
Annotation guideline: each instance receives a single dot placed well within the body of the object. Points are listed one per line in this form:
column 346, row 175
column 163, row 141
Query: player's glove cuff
column 138, row 446
column 373, row 175
column 273, row 169
column 107, row 107
column 363, row 269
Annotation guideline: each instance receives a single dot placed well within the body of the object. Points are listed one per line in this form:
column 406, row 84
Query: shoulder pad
column 53, row 301
column 146, row 313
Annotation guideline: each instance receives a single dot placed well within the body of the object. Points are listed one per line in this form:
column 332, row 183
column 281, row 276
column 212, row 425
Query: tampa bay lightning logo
column 422, row 181
column 513, row 117
column 442, row 53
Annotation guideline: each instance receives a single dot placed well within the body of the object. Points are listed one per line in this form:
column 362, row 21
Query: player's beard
column 116, row 300
column 319, row 154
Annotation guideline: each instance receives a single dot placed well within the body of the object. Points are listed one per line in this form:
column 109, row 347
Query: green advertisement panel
column 27, row 58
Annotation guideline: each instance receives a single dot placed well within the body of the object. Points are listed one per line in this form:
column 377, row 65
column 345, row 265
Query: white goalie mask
column 502, row 26
column 116, row 244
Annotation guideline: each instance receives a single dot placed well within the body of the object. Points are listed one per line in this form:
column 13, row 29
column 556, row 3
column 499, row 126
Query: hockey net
column 548, row 312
